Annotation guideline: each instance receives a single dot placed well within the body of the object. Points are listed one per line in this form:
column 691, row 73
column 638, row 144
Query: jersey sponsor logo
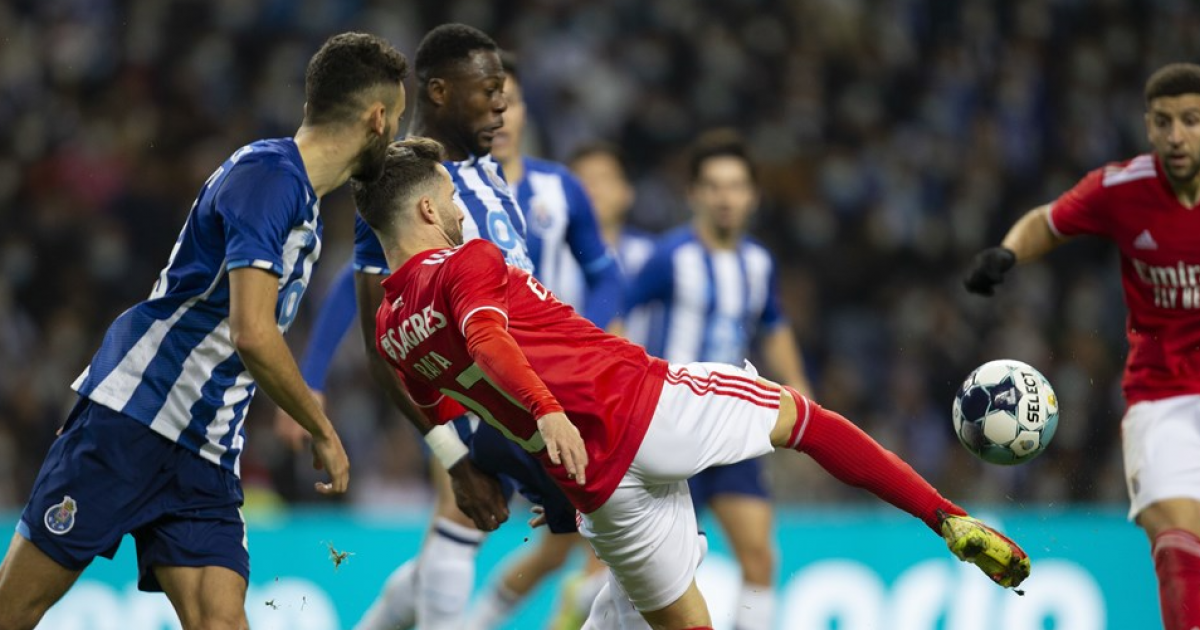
column 60, row 518
column 1145, row 241
column 1175, row 286
column 494, row 178
column 399, row 340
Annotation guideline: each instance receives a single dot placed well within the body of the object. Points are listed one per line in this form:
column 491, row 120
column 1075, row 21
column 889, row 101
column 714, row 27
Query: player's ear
column 427, row 209
column 437, row 89
column 377, row 117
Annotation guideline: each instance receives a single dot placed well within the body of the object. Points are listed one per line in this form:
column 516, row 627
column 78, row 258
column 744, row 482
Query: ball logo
column 60, row 518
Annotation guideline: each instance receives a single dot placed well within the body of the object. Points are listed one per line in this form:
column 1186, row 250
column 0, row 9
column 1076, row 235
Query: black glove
column 987, row 270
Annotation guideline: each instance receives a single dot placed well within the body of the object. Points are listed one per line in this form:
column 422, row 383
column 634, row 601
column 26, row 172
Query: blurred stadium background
column 896, row 138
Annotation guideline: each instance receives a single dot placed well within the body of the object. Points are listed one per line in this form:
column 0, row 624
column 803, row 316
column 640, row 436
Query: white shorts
column 709, row 414
column 1161, row 443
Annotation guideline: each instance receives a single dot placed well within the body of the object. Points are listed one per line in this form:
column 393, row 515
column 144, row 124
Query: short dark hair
column 1173, row 79
column 447, row 45
column 410, row 165
column 716, row 143
column 599, row 147
column 347, row 65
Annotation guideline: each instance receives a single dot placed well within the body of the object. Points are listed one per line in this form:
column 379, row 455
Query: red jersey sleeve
column 1082, row 210
column 505, row 365
column 478, row 282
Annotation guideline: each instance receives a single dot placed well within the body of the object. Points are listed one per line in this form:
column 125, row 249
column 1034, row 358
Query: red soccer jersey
column 607, row 386
column 1132, row 204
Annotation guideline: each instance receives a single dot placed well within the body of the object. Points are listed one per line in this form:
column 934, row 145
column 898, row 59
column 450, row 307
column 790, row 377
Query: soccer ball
column 1005, row 412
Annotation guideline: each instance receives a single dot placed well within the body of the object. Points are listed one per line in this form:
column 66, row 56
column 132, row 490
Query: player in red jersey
column 618, row 430
column 1150, row 207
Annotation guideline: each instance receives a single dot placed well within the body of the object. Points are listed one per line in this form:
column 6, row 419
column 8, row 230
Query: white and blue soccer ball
column 1005, row 412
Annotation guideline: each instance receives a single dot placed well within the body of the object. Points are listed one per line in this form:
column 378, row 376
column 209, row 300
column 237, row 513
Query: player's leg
column 30, row 583
column 520, row 578
column 686, row 613
column 208, row 598
column 395, row 608
column 196, row 551
column 850, row 455
column 93, row 487
column 579, row 592
column 1173, row 526
column 429, row 588
column 517, row 469
column 647, row 535
column 746, row 520
column 446, row 565
column 1164, row 492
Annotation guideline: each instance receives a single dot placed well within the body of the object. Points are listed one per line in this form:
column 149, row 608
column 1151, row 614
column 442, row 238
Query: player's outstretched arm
column 1028, row 239
column 252, row 296
column 477, row 493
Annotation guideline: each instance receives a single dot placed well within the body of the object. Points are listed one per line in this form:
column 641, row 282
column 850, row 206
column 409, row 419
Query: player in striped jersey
column 152, row 446
column 1150, row 208
column 460, row 103
column 564, row 240
column 571, row 259
column 600, row 167
column 718, row 289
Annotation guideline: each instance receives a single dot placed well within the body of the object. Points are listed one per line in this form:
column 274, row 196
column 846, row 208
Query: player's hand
column 539, row 516
column 289, row 431
column 988, row 269
column 564, row 445
column 478, row 495
column 328, row 455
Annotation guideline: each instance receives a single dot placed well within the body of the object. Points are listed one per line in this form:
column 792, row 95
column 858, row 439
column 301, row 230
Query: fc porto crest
column 60, row 518
column 497, row 182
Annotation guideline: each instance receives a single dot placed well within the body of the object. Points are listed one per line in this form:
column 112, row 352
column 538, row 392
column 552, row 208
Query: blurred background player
column 600, row 167
column 1150, row 208
column 719, row 292
column 569, row 255
column 152, row 447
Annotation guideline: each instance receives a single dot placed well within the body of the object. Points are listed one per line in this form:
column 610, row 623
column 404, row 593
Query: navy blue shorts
column 495, row 454
column 746, row 478
column 109, row 475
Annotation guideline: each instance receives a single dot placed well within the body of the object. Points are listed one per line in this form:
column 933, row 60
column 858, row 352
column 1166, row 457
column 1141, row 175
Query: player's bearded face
column 452, row 224
column 371, row 159
column 1173, row 123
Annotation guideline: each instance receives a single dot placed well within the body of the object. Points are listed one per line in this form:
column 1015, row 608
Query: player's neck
column 514, row 169
column 715, row 239
column 406, row 249
column 428, row 127
column 328, row 159
column 611, row 233
column 1187, row 192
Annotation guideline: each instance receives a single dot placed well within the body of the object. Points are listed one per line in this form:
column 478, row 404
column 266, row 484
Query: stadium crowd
column 895, row 139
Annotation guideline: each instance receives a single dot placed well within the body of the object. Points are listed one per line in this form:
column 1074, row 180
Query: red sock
column 1177, row 563
column 857, row 460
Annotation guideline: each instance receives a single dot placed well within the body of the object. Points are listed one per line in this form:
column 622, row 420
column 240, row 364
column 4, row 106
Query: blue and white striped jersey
column 634, row 248
column 169, row 362
column 569, row 257
column 490, row 211
column 716, row 303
